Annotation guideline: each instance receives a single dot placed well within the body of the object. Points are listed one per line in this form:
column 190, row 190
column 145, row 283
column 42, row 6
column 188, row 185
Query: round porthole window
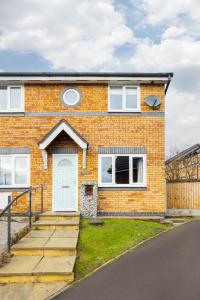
column 71, row 97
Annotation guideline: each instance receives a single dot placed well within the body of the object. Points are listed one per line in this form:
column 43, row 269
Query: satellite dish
column 153, row 101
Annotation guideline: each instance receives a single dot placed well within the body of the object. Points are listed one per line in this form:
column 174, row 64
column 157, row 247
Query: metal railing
column 7, row 210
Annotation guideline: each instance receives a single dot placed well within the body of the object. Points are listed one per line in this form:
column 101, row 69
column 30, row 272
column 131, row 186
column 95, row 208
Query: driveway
column 164, row 268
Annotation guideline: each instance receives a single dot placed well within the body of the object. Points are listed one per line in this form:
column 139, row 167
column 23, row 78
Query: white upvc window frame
column 124, row 109
column 13, row 110
column 131, row 184
column 14, row 185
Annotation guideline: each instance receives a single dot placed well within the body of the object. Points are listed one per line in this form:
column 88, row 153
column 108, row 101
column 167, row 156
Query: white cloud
column 182, row 119
column 79, row 35
column 174, row 32
column 165, row 10
column 171, row 52
column 187, row 120
column 178, row 52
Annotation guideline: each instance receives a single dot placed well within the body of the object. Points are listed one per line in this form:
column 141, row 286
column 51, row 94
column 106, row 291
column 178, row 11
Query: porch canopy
column 62, row 126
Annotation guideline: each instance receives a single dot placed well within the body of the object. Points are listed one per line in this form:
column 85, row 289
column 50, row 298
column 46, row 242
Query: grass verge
column 98, row 244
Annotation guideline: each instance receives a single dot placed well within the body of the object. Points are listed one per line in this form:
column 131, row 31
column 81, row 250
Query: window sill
column 12, row 113
column 124, row 111
column 13, row 189
column 131, row 185
column 125, row 188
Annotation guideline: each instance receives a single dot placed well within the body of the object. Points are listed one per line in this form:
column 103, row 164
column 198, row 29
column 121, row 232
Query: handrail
column 31, row 189
column 11, row 202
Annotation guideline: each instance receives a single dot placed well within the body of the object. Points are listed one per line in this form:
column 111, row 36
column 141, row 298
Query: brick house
column 69, row 130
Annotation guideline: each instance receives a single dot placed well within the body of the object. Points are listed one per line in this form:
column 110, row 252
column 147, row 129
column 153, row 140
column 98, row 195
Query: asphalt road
column 164, row 268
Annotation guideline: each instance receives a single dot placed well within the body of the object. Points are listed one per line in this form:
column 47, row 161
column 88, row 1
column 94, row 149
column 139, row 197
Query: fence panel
column 183, row 195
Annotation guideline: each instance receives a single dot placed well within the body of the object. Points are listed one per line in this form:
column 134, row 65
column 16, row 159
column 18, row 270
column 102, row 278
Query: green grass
column 98, row 244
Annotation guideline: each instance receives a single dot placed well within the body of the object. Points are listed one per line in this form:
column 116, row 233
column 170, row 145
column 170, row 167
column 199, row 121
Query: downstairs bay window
column 14, row 170
column 122, row 170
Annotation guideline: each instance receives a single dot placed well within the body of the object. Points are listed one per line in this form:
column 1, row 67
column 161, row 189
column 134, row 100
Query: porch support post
column 45, row 158
column 84, row 158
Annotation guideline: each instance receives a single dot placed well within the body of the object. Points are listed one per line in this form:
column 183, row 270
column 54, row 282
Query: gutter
column 168, row 83
column 85, row 74
column 84, row 77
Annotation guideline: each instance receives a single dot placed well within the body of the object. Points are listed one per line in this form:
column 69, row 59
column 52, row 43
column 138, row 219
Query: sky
column 112, row 35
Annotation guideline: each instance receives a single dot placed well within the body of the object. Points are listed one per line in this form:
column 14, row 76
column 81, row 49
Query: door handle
column 65, row 186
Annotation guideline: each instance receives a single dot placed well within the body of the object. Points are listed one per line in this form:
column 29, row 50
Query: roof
column 84, row 74
column 187, row 152
column 85, row 77
column 62, row 125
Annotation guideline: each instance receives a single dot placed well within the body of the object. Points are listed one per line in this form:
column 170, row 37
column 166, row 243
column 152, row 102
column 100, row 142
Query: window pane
column 21, row 166
column 131, row 97
column 122, row 170
column 15, row 97
column 106, row 169
column 115, row 98
column 137, row 169
column 5, row 170
column 3, row 98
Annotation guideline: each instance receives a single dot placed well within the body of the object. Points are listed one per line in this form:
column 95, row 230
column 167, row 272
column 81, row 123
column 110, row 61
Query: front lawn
column 98, row 244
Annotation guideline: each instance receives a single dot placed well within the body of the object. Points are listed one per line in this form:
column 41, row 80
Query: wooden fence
column 183, row 195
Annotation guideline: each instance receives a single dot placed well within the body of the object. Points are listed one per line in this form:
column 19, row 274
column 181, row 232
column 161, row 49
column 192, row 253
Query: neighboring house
column 184, row 166
column 67, row 130
column 183, row 182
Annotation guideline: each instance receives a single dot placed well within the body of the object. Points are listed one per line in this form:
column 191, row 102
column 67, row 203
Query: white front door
column 65, row 182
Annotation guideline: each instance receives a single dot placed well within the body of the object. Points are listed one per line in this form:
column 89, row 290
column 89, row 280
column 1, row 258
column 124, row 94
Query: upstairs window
column 122, row 170
column 11, row 99
column 124, row 98
column 14, row 170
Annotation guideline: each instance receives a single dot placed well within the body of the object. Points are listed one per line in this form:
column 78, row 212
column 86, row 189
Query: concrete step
column 174, row 221
column 38, row 269
column 166, row 221
column 177, row 220
column 31, row 291
column 56, row 225
column 59, row 216
column 46, row 246
column 53, row 233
